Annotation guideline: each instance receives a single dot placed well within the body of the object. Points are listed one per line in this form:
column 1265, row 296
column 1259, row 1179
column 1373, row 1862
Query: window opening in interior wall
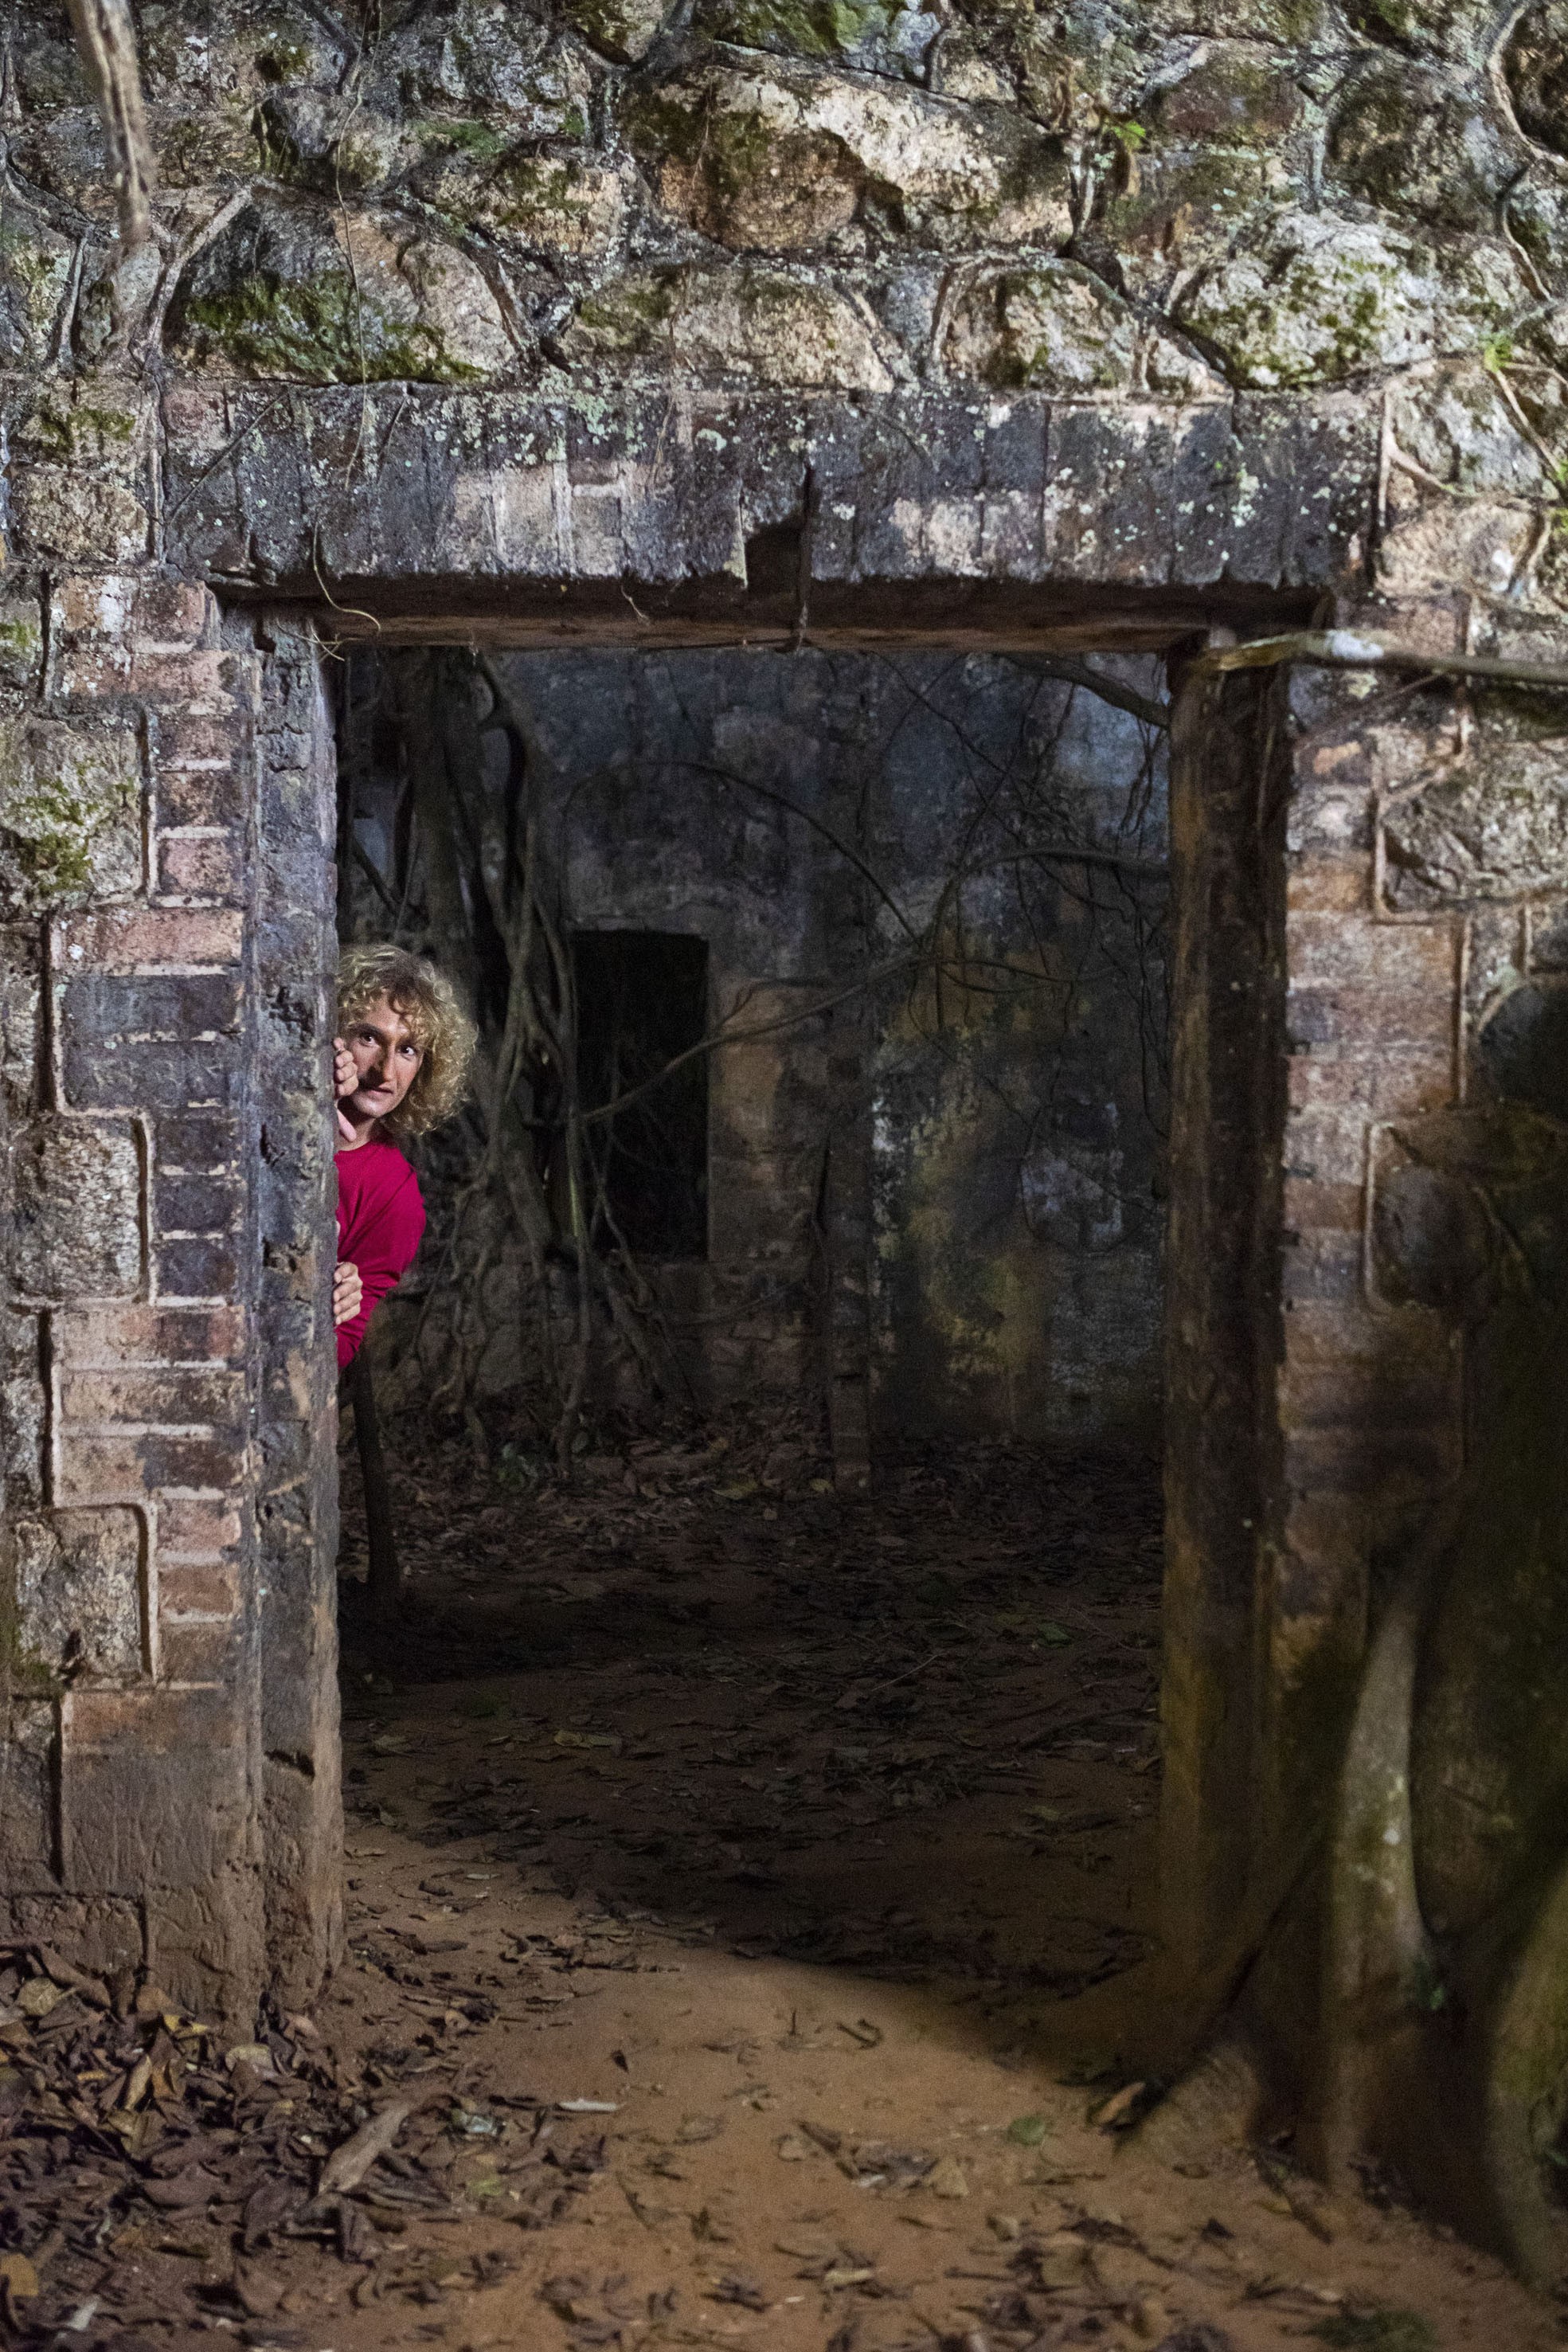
column 641, row 1002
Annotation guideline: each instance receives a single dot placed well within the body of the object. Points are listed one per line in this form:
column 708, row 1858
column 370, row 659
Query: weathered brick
column 1320, row 886
column 203, row 797
column 1308, row 1202
column 150, row 671
column 199, row 1651
column 199, row 1265
column 1327, row 1012
column 180, row 1394
column 1322, row 1266
column 1399, row 956
column 134, row 939
column 117, row 1468
column 195, row 1204
column 192, row 1589
column 108, row 1337
column 154, row 1076
column 97, row 1006
column 192, row 1142
column 1411, row 1459
column 200, row 865
column 194, row 1529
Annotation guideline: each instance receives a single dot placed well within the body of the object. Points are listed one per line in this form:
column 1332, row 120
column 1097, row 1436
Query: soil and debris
column 726, row 1857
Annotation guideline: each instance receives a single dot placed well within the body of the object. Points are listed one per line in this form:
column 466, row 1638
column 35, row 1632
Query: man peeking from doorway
column 400, row 1066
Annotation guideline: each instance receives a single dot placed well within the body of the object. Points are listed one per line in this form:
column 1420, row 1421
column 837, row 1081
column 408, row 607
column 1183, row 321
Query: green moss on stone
column 811, row 28
column 626, row 315
column 51, row 826
column 323, row 331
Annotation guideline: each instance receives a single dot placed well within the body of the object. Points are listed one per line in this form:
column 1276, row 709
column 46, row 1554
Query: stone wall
column 137, row 1436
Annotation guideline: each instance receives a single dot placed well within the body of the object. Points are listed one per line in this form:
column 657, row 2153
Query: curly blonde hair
column 438, row 1023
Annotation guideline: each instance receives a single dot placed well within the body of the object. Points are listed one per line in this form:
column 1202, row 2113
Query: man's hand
column 345, row 1078
column 348, row 1292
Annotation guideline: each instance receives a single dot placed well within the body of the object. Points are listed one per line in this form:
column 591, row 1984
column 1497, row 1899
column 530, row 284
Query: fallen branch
column 1349, row 649
column 347, row 2166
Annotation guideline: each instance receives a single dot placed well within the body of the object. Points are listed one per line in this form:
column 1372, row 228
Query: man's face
column 386, row 1058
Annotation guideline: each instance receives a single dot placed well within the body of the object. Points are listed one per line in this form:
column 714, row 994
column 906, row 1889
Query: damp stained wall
column 880, row 854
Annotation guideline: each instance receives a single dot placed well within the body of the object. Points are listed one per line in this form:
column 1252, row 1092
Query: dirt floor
column 737, row 1874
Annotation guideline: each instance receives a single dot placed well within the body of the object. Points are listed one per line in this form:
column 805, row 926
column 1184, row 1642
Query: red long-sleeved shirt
column 380, row 1216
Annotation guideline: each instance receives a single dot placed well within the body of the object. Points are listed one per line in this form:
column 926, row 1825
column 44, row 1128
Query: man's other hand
column 348, row 1292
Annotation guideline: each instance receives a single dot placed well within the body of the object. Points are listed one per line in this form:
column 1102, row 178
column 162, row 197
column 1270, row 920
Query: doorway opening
column 642, row 1001
column 775, row 1405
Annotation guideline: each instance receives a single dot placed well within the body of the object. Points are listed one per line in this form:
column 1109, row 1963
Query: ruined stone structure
column 1000, row 1117
column 1099, row 327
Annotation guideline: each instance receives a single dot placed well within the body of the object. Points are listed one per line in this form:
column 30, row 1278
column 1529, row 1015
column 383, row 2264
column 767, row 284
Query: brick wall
column 148, row 1105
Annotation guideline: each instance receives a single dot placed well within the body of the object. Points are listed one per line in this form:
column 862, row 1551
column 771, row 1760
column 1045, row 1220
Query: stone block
column 1318, row 300
column 1057, row 328
column 28, row 1828
column 1492, row 827
column 70, row 814
column 780, row 159
column 205, row 1945
column 102, row 1936
column 1521, row 1053
column 78, row 1209
column 59, row 511
column 153, row 1790
column 80, row 1592
column 21, row 642
column 743, row 321
column 21, row 1018
column 338, row 296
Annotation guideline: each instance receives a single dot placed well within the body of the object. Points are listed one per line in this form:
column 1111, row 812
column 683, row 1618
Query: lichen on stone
column 780, row 159
column 338, row 298
column 1057, row 328
column 1310, row 298
column 1492, row 827
column 756, row 324
column 69, row 815
column 877, row 35
column 35, row 275
column 563, row 202
column 624, row 30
